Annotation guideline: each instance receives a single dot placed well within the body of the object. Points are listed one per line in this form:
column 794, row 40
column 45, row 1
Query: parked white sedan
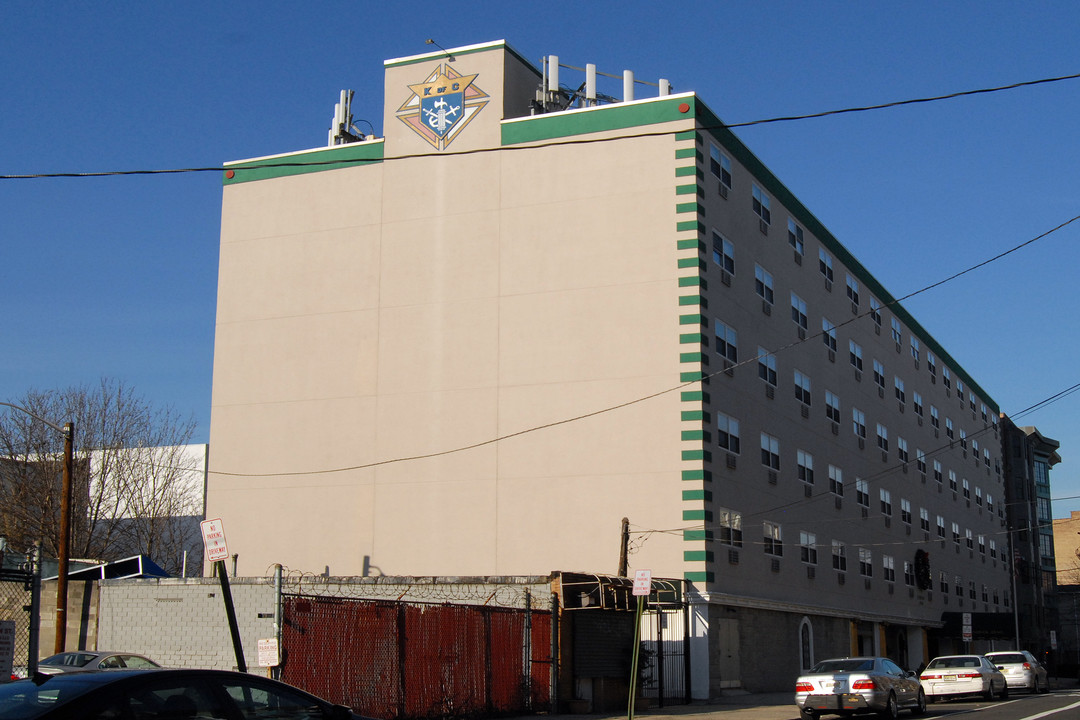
column 845, row 686
column 1021, row 669
column 951, row 676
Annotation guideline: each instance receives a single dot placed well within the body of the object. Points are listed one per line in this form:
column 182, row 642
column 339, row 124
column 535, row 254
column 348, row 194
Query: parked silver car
column 951, row 676
column 845, row 686
column 85, row 660
column 1021, row 669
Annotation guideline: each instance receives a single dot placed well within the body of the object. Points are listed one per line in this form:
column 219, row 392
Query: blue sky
column 117, row 276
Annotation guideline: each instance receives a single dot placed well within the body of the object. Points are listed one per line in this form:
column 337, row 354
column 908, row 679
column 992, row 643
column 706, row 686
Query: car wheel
column 989, row 694
column 1004, row 692
column 1035, row 690
column 808, row 714
column 891, row 711
column 920, row 704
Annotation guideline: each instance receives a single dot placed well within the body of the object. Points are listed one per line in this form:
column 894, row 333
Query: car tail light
column 927, row 676
column 804, row 687
column 968, row 675
column 867, row 684
column 1027, row 666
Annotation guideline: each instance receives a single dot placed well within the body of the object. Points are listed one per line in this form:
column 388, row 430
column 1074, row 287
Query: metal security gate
column 17, row 605
column 388, row 659
column 664, row 661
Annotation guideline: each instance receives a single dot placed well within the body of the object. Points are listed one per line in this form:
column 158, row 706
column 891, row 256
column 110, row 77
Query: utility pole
column 65, row 540
column 623, row 545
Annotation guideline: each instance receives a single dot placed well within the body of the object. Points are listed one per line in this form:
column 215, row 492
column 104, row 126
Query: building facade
column 473, row 346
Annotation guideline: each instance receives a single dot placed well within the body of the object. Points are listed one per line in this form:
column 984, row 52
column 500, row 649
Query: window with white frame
column 943, row 582
column 727, row 342
column 963, row 438
column 946, row 377
column 832, row 406
column 773, row 542
column 982, row 544
column 825, row 264
column 763, row 283
column 883, row 437
column 993, row 549
column 916, row 403
column 966, row 488
column 978, row 496
column 855, row 354
column 915, row 348
column 901, row 449
column 959, row 586
column 727, row 429
column 839, row 556
column 858, row 422
column 798, row 311
column 960, row 390
column 866, row 562
column 761, row 204
column 931, row 363
column 937, row 471
column 766, row 366
column 986, row 457
column 836, row 481
column 730, row 528
column 720, row 166
column 802, row 388
column 982, row 406
column 886, row 501
column 770, row 451
column 828, row 334
column 808, row 547
column 888, row 568
column 924, row 519
column 934, row 421
column 862, row 492
column 898, row 384
column 853, row 290
column 805, row 463
column 879, row 374
column 949, row 428
column 956, row 533
column 909, row 573
column 990, row 503
column 875, row 311
column 723, row 253
column 795, row 236
column 941, row 527
column 952, row 480
column 896, row 332
column 969, row 540
column 920, row 460
column 905, row 511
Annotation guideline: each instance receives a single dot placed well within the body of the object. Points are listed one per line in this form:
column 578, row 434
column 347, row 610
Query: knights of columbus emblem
column 442, row 105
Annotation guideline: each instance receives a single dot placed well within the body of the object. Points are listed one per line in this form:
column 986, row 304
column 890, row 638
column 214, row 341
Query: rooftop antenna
column 342, row 130
column 449, row 57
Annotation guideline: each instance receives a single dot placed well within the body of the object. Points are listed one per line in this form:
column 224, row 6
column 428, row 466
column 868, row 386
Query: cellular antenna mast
column 342, row 131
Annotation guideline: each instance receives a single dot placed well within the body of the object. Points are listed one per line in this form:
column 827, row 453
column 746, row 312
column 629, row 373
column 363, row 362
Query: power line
column 354, row 161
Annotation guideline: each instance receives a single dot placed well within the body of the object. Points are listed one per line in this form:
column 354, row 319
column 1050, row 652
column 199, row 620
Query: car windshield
column 1006, row 658
column 848, row 665
column 954, row 662
column 69, row 659
column 23, row 700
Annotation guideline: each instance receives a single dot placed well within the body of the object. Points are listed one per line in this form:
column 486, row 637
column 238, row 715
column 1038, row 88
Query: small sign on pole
column 268, row 653
column 213, row 534
column 642, row 582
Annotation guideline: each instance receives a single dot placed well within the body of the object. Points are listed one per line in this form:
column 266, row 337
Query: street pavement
column 738, row 705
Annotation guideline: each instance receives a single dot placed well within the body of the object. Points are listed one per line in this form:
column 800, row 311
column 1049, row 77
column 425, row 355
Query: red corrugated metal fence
column 388, row 659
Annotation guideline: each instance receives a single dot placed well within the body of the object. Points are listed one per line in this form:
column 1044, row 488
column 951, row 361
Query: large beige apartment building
column 474, row 345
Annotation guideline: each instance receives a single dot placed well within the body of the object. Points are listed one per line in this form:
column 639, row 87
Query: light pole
column 68, row 431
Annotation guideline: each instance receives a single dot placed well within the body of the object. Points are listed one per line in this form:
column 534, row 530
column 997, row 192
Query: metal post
column 65, row 540
column 230, row 612
column 279, row 617
column 554, row 655
column 528, row 649
column 35, row 612
column 624, row 542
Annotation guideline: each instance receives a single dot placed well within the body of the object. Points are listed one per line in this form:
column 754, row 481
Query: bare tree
column 135, row 488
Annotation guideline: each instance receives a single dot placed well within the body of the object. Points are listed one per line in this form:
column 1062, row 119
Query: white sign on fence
column 268, row 653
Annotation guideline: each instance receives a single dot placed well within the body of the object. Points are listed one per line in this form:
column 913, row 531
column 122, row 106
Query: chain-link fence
column 15, row 605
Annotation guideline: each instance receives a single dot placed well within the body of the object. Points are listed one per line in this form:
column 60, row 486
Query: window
column 898, row 384
column 836, row 481
column 727, row 342
column 960, row 390
column 946, row 378
column 720, row 166
column 982, row 406
column 798, row 311
column 901, row 449
column 795, row 236
column 931, row 363
column 866, row 562
column 858, row 422
column 993, row 549
column 888, row 569
column 808, row 547
column 853, row 290
column 770, row 451
column 909, row 574
column 986, row 457
column 915, row 348
column 839, row 556
column 990, row 503
column 943, row 581
column 761, row 205
column 875, row 312
column 967, row 489
column 828, row 334
column 773, row 543
column 802, row 388
column 978, row 496
column 886, row 502
column 916, row 403
column 825, row 264
column 730, row 528
column 982, row 544
column 949, row 428
column 985, row 594
column 883, row 437
column 952, row 480
column 766, row 366
column 763, row 284
column 879, row 374
column 959, row 585
column 727, row 431
column 971, row 589
column 862, row 492
column 941, row 527
column 969, row 540
column 937, row 470
column 963, row 439
column 855, row 354
column 924, row 519
column 805, row 462
column 956, row 533
column 934, row 417
column 920, row 460
column 723, row 252
column 896, row 336
column 832, row 407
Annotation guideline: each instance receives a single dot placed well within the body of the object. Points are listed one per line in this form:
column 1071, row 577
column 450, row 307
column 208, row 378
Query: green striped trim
column 692, row 262
column 687, row 171
column 695, row 396
column 692, row 207
column 691, row 376
column 698, row 474
column 686, row 189
column 693, row 320
column 705, row 495
column 617, row 116
column 693, row 339
column 700, row 577
column 693, row 300
column 698, row 555
column 691, row 415
column 705, row 515
column 686, row 153
column 690, row 225
column 302, row 163
column 693, row 281
column 696, row 535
